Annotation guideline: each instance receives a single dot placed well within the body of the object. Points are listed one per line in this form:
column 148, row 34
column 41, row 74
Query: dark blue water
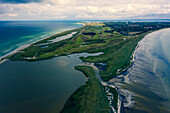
column 14, row 34
column 41, row 86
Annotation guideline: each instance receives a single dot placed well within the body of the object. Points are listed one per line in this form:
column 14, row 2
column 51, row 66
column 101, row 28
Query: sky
column 84, row 9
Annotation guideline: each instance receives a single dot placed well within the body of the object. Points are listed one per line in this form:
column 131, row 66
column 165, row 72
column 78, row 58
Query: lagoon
column 40, row 87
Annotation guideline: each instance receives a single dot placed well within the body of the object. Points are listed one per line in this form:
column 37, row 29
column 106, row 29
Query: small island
column 115, row 40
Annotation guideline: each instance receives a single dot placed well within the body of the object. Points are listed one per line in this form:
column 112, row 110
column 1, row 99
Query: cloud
column 12, row 14
column 81, row 9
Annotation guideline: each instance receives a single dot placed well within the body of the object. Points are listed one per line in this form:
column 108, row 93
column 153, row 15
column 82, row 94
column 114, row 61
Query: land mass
column 116, row 40
column 89, row 98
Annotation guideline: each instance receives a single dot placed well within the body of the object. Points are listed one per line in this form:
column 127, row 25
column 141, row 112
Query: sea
column 147, row 82
column 14, row 34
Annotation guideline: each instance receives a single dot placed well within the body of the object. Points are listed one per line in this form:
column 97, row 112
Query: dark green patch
column 89, row 98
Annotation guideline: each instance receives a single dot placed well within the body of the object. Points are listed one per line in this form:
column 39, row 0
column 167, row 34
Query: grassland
column 117, row 48
column 89, row 98
column 117, row 55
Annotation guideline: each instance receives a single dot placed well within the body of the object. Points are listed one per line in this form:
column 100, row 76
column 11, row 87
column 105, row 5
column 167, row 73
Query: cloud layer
column 83, row 9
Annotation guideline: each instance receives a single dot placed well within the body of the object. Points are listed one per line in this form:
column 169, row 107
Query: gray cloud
column 81, row 9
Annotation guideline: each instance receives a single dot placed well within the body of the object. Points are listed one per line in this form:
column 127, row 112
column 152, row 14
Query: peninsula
column 116, row 41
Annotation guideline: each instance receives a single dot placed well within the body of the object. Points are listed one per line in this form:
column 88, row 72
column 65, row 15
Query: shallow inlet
column 147, row 83
column 41, row 86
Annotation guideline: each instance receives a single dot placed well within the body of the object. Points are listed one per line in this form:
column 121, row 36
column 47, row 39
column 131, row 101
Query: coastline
column 134, row 102
column 83, row 24
column 131, row 60
column 120, row 92
column 133, row 55
column 126, row 78
column 4, row 59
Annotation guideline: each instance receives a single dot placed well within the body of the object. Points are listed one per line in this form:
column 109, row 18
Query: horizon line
column 90, row 20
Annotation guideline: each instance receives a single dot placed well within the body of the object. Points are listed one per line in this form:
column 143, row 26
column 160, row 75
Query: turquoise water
column 149, row 76
column 14, row 34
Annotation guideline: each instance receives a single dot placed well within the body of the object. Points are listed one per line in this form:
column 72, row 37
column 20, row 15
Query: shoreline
column 4, row 59
column 83, row 24
column 132, row 59
column 126, row 78
column 131, row 101
column 130, row 62
column 119, row 91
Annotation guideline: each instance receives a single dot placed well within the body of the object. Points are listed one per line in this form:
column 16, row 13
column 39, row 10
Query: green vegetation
column 114, row 100
column 116, row 55
column 116, row 40
column 89, row 98
column 37, row 52
column 79, row 40
column 115, row 97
